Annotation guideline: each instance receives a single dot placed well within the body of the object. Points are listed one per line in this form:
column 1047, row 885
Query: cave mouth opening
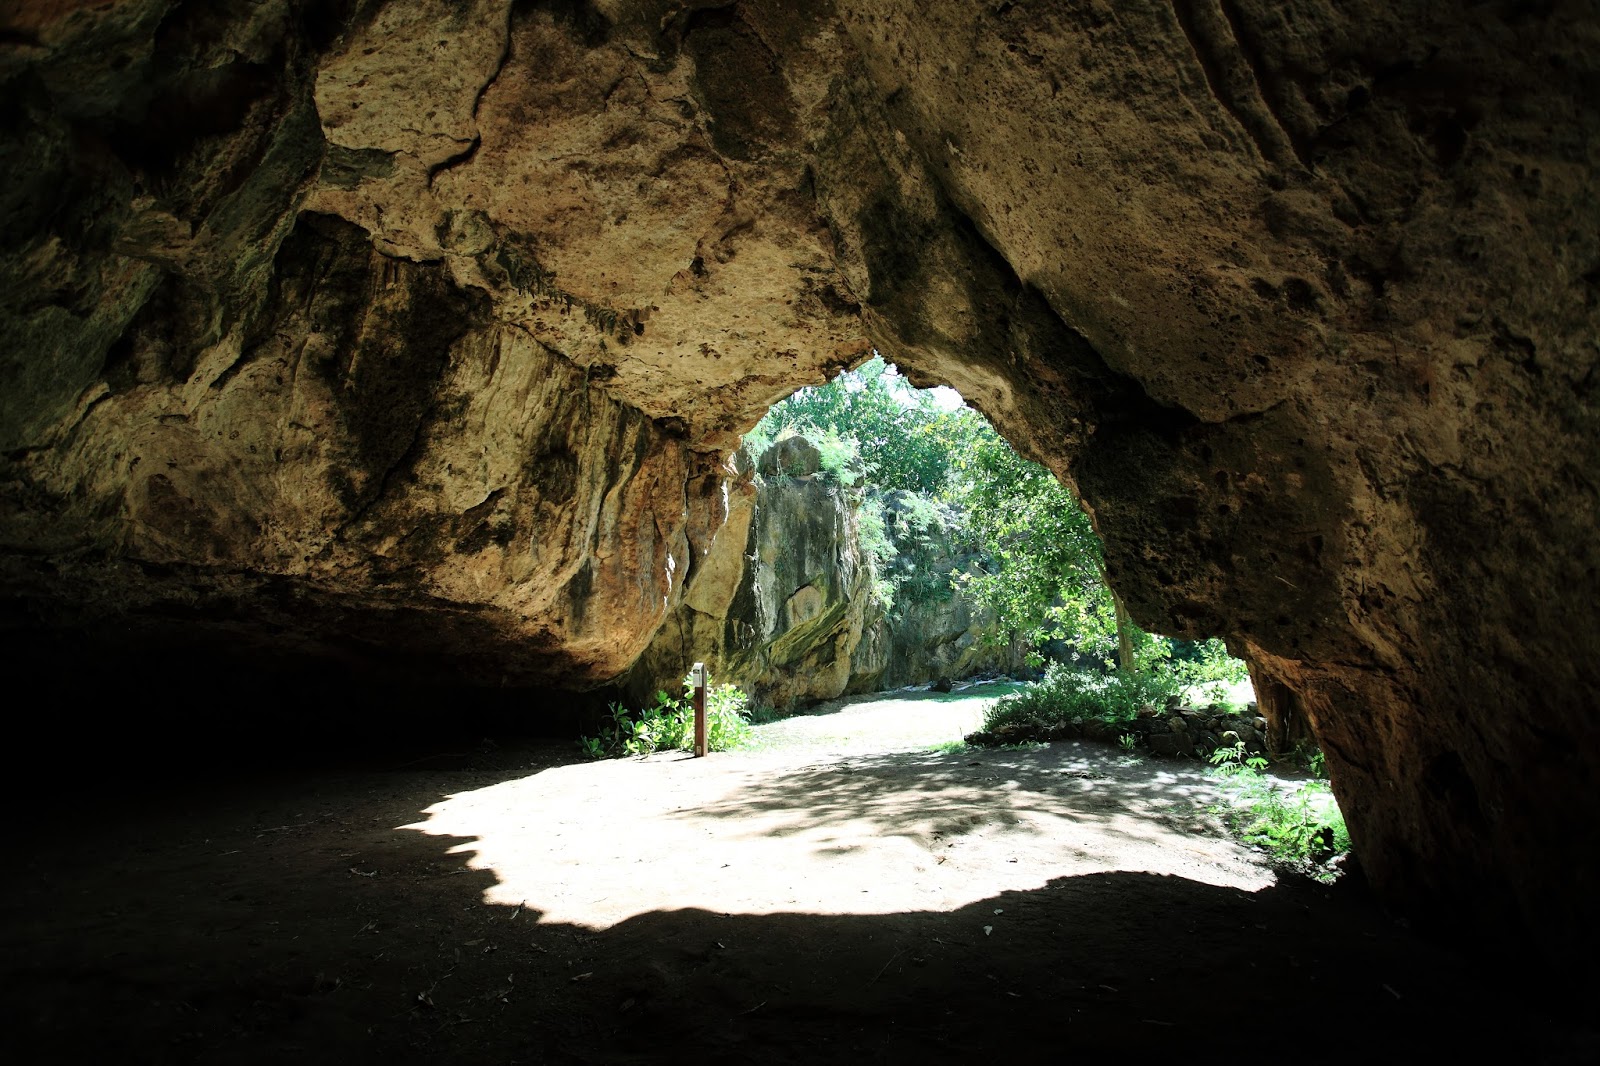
column 890, row 541
column 980, row 561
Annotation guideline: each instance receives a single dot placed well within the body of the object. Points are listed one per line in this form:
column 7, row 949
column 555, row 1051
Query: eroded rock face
column 786, row 606
column 931, row 630
column 779, row 604
column 377, row 439
column 452, row 310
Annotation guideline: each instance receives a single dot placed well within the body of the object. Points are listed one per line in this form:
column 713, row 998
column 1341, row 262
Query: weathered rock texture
column 448, row 311
column 779, row 602
column 931, row 630
column 786, row 606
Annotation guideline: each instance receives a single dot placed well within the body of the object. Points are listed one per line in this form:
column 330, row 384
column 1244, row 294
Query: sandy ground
column 839, row 893
column 842, row 812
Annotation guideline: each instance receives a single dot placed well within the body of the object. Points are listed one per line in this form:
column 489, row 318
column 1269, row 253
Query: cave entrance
column 974, row 561
column 914, row 610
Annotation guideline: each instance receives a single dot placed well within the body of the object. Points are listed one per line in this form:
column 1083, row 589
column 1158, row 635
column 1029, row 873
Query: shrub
column 1302, row 828
column 1066, row 694
column 841, row 456
column 1206, row 667
column 669, row 725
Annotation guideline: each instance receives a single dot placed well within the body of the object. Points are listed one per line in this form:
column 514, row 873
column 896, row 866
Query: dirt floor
column 840, row 892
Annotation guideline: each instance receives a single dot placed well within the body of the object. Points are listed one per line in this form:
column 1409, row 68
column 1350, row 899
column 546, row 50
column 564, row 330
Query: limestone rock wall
column 931, row 630
column 296, row 298
column 780, row 603
column 785, row 604
column 373, row 445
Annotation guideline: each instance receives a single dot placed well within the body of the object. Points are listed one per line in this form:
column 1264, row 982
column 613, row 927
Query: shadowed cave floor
column 808, row 901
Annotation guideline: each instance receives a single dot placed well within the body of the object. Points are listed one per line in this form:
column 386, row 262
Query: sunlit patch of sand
column 597, row 843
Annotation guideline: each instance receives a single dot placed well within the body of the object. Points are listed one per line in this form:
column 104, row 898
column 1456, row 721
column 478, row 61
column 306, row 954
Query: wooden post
column 701, row 745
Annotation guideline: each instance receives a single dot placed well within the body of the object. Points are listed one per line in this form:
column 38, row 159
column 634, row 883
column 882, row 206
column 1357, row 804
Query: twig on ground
column 886, row 965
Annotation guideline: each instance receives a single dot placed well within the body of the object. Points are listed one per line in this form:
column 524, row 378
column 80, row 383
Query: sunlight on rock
column 598, row 843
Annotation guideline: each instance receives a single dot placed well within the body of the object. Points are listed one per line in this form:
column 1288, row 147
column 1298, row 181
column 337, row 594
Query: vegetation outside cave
column 931, row 483
column 924, row 465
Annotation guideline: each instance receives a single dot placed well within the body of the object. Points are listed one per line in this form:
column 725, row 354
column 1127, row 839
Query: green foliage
column 1046, row 575
column 871, row 426
column 669, row 725
column 1300, row 828
column 1232, row 762
column 841, row 456
column 873, row 535
column 1128, row 742
column 915, row 526
column 891, row 424
column 1066, row 694
column 1309, row 757
column 1206, row 667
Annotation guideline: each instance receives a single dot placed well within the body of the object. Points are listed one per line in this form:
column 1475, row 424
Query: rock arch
column 426, row 326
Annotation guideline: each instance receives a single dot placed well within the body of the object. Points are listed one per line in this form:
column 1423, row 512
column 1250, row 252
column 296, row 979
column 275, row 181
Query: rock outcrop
column 778, row 603
column 930, row 631
column 786, row 602
column 426, row 325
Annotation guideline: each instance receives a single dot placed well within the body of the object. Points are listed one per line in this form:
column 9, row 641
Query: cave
column 373, row 366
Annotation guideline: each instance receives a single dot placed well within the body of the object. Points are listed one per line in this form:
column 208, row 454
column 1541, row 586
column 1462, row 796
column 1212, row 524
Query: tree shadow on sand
column 926, row 795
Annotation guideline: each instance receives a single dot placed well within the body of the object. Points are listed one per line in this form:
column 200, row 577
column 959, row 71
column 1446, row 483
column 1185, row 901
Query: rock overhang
column 462, row 305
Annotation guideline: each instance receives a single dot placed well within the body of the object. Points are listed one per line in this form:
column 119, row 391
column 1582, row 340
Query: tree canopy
column 1047, row 576
column 893, row 426
column 1044, row 571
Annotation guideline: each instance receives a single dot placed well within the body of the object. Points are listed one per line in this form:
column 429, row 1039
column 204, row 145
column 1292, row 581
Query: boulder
column 790, row 457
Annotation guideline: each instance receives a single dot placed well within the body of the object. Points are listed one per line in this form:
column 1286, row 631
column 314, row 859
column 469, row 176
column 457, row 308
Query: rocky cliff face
column 931, row 631
column 778, row 604
column 400, row 471
column 785, row 603
column 426, row 325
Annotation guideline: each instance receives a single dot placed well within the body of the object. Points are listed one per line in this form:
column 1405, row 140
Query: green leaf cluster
column 1067, row 694
column 1301, row 828
column 1205, row 667
column 668, row 725
column 893, row 427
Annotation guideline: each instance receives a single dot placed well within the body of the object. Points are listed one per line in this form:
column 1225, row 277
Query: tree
column 889, row 420
column 1046, row 577
column 1047, row 580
